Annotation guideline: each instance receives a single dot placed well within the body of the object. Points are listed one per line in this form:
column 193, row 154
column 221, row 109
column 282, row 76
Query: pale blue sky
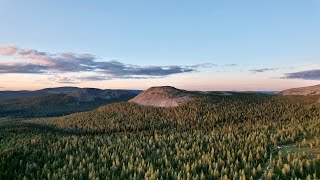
column 253, row 34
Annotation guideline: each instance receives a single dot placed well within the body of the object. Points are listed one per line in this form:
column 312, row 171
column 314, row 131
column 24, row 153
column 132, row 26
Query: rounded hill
column 162, row 96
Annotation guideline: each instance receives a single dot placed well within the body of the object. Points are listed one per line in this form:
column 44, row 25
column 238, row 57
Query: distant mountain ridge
column 63, row 90
column 27, row 93
column 58, row 101
column 303, row 91
column 162, row 96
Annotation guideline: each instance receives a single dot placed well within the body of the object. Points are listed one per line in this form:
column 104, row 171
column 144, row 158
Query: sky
column 197, row 45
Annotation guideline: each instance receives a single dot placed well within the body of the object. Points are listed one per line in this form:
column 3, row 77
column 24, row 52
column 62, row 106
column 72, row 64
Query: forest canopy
column 243, row 136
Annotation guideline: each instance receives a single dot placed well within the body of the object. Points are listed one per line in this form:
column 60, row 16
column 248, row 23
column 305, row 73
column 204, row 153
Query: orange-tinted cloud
column 8, row 50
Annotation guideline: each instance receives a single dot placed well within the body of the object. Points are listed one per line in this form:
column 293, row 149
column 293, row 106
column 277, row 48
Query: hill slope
column 162, row 96
column 304, row 91
column 58, row 101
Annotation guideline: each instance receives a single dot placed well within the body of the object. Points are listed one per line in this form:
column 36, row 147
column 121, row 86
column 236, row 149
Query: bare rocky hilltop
column 162, row 96
column 303, row 91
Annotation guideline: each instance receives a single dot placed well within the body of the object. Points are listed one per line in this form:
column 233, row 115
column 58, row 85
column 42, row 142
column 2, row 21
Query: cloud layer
column 37, row 62
column 306, row 75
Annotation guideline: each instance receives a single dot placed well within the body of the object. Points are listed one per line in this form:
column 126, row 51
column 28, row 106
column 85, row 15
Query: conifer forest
column 242, row 136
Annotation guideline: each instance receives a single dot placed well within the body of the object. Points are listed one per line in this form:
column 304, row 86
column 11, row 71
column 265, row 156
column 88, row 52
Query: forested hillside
column 57, row 101
column 239, row 136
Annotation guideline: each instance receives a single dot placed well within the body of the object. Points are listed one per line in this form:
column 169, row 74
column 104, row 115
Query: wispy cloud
column 204, row 65
column 37, row 62
column 306, row 75
column 231, row 65
column 8, row 50
column 63, row 79
column 263, row 70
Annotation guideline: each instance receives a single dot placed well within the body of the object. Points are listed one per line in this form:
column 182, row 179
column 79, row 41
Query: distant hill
column 58, row 101
column 162, row 96
column 168, row 96
column 57, row 90
column 303, row 91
